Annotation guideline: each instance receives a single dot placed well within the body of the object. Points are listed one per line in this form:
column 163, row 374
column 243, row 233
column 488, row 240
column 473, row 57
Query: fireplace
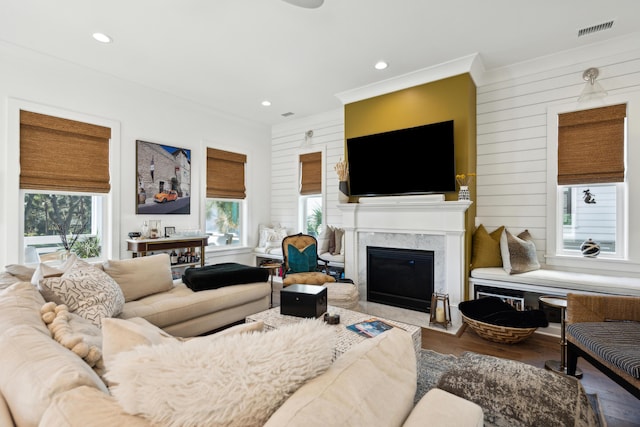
column 426, row 223
column 400, row 277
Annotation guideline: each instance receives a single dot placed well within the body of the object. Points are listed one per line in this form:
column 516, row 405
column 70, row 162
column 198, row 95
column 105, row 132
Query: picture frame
column 163, row 179
column 169, row 231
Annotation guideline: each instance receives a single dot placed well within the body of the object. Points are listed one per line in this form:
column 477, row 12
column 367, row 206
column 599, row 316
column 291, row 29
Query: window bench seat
column 555, row 282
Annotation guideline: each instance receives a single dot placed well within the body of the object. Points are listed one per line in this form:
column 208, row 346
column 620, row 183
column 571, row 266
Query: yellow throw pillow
column 486, row 248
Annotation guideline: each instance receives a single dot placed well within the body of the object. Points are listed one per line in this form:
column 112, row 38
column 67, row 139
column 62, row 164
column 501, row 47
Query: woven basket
column 501, row 334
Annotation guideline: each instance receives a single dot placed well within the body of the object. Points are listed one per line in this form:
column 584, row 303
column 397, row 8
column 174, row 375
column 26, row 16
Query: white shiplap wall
column 288, row 142
column 512, row 182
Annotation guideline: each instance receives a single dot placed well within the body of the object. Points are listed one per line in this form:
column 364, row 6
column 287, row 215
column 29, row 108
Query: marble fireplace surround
column 408, row 222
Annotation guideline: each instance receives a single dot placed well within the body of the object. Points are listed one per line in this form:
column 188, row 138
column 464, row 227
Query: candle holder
column 440, row 310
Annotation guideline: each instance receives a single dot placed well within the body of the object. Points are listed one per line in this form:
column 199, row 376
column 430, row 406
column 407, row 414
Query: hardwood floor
column 621, row 409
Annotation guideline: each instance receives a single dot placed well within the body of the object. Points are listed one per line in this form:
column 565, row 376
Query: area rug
column 432, row 366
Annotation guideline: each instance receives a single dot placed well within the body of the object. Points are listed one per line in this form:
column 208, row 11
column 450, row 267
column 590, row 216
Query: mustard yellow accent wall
column 453, row 98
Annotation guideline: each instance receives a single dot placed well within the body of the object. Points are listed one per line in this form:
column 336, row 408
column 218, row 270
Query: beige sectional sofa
column 43, row 383
column 150, row 292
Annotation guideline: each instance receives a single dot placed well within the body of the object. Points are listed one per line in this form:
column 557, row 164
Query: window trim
column 553, row 256
column 111, row 208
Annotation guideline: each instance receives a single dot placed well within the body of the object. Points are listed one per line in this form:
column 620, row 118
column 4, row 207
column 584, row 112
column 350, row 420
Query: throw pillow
column 87, row 291
column 323, row 240
column 339, row 235
column 20, row 271
column 302, row 260
column 20, row 305
column 518, row 252
column 514, row 393
column 7, row 280
column 486, row 248
column 58, row 320
column 236, row 380
column 141, row 276
column 332, row 240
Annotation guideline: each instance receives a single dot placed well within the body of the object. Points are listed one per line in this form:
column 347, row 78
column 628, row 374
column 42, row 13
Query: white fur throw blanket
column 235, row 380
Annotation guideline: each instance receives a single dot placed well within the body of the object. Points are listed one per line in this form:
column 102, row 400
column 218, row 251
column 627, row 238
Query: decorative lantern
column 440, row 310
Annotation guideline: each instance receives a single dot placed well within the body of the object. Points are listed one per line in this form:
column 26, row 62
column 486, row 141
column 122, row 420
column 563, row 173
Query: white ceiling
column 232, row 54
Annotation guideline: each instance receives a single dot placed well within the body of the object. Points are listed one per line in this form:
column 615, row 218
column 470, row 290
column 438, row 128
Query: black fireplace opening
column 400, row 277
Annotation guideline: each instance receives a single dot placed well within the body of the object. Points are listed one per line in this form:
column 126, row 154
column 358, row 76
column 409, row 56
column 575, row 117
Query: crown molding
column 471, row 64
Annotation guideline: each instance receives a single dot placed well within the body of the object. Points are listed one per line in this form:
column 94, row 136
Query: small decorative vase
column 590, row 249
column 464, row 194
column 343, row 192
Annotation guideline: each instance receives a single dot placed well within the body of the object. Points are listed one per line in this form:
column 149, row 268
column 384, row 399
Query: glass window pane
column 60, row 221
column 223, row 222
column 589, row 212
column 313, row 214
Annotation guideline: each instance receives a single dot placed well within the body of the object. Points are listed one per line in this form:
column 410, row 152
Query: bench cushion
column 564, row 280
column 223, row 274
column 615, row 342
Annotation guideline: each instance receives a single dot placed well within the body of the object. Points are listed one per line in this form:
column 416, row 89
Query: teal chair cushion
column 302, row 261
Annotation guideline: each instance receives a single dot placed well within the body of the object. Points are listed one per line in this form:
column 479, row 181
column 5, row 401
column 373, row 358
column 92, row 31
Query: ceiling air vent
column 287, row 114
column 595, row 28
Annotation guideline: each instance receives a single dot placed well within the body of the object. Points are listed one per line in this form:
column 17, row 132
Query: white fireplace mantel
column 397, row 216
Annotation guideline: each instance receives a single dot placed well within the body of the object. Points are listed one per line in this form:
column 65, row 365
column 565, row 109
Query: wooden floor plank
column 621, row 409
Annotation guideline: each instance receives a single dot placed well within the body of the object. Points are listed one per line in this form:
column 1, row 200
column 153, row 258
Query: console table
column 140, row 247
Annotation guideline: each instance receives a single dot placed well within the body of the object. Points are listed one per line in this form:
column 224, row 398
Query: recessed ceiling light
column 381, row 65
column 266, row 103
column 102, row 38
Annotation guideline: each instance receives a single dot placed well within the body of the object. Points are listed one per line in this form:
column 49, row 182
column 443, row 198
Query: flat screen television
column 417, row 160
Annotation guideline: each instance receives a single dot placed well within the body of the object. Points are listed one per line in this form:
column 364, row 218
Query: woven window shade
column 311, row 173
column 591, row 146
column 63, row 155
column 225, row 174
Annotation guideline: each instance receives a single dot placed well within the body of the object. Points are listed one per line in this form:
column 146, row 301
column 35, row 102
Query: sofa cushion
column 34, row 369
column 486, row 248
column 181, row 304
column 141, row 276
column 7, row 279
column 87, row 406
column 22, row 272
column 447, row 409
column 518, row 252
column 86, row 290
column 20, row 304
column 235, row 380
column 372, row 384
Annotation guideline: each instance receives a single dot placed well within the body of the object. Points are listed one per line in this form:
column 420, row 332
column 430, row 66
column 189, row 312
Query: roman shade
column 63, row 155
column 225, row 174
column 311, row 173
column 591, row 145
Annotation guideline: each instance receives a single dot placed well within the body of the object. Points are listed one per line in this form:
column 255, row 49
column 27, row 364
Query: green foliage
column 314, row 221
column 55, row 214
column 89, row 247
column 226, row 215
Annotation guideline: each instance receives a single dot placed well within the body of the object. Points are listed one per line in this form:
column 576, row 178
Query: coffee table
column 272, row 319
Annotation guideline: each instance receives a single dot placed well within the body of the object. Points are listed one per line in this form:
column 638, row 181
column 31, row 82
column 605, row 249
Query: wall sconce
column 592, row 89
column 307, row 138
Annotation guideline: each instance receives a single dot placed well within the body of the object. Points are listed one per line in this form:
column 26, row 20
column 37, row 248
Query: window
column 64, row 177
column 591, row 175
column 311, row 192
column 226, row 195
column 60, row 221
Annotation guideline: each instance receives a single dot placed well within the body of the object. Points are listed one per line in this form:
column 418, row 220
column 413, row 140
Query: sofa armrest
column 599, row 308
column 444, row 409
column 5, row 413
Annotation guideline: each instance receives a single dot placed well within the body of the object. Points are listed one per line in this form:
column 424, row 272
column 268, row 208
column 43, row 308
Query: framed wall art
column 163, row 179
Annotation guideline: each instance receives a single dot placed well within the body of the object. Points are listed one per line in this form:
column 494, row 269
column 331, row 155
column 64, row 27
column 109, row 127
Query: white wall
column 512, row 136
column 513, row 185
column 288, row 142
column 27, row 78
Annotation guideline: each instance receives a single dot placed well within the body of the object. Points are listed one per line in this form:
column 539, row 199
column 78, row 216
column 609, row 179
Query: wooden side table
column 561, row 365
